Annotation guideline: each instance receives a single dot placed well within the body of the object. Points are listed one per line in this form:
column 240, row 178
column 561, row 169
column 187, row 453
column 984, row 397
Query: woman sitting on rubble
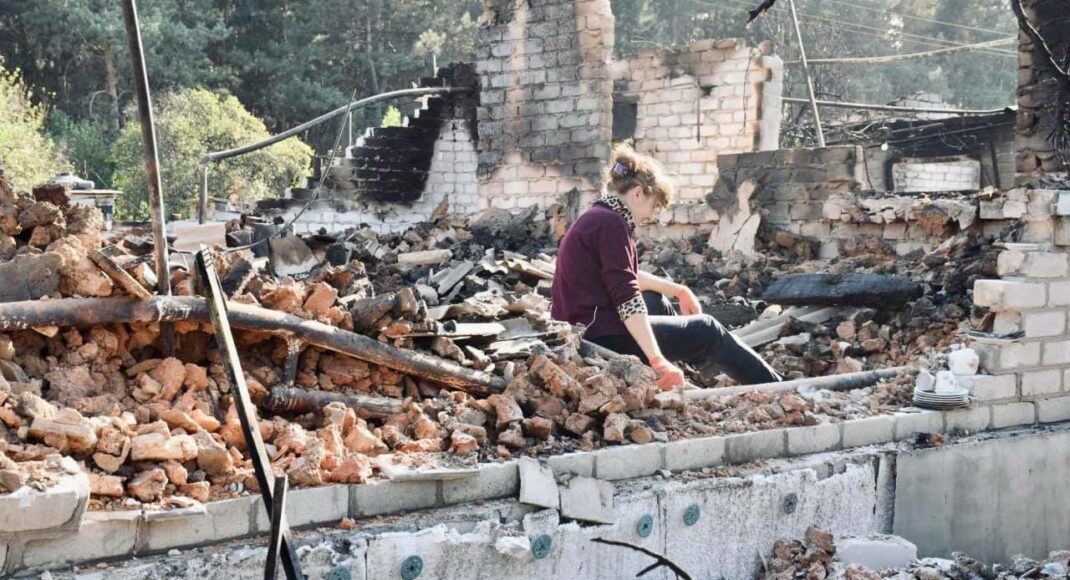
column 598, row 283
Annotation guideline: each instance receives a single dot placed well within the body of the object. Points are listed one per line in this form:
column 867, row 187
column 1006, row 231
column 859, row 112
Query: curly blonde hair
column 628, row 169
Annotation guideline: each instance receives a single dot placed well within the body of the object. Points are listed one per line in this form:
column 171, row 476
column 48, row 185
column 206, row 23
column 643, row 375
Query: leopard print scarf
column 614, row 203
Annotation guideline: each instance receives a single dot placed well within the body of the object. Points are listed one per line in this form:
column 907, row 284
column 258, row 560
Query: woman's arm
column 650, row 282
column 669, row 375
column 689, row 303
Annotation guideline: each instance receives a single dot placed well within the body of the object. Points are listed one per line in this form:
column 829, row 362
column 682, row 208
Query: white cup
column 925, row 381
column 945, row 382
column 964, row 362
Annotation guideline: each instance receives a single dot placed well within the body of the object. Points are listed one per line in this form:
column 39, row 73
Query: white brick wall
column 452, row 177
column 918, row 175
column 718, row 105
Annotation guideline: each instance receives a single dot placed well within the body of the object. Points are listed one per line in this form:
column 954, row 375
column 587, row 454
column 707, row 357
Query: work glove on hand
column 689, row 303
column 669, row 375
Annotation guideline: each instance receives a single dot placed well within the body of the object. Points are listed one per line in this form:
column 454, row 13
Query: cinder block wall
column 824, row 194
column 918, row 175
column 450, row 180
column 544, row 118
column 1032, row 296
column 696, row 103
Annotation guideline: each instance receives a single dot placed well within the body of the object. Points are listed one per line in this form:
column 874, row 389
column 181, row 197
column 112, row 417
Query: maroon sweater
column 597, row 272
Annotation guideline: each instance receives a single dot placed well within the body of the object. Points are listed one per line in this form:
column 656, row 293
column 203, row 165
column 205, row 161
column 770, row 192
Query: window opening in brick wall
column 625, row 117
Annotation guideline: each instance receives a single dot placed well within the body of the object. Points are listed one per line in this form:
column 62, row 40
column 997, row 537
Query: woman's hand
column 689, row 303
column 669, row 375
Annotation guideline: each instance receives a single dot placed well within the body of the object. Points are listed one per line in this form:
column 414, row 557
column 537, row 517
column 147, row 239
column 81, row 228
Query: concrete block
column 970, row 420
column 1013, row 414
column 494, row 480
column 628, row 461
column 308, row 506
column 1009, row 295
column 868, row 431
column 537, row 484
column 687, row 454
column 588, row 499
column 1046, row 265
column 994, row 387
column 909, row 424
column 1059, row 293
column 876, row 552
column 1057, row 352
column 572, row 463
column 745, row 447
column 1044, row 323
column 212, row 522
column 1062, row 203
column 1017, row 355
column 388, row 497
column 1053, row 409
column 102, row 535
column 813, row 439
column 1043, row 382
column 59, row 507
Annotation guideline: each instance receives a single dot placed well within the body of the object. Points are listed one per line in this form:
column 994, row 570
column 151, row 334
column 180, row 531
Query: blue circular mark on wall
column 691, row 514
column 645, row 525
column 411, row 567
column 339, row 573
column 540, row 546
column 791, row 502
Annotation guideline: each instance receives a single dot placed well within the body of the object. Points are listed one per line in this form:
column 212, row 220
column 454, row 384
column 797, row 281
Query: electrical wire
column 920, row 18
column 858, row 28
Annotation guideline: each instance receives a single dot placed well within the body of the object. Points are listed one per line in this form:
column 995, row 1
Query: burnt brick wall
column 544, row 118
column 1039, row 93
column 695, row 103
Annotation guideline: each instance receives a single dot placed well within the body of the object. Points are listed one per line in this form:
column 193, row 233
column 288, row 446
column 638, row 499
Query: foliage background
column 287, row 61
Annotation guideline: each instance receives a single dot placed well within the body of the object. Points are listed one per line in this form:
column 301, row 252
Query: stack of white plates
column 959, row 397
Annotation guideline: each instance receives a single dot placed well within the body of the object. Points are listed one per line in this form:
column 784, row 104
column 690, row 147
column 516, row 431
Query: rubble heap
column 157, row 427
column 816, row 558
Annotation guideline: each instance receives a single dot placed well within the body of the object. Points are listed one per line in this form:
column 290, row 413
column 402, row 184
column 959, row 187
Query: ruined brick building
column 548, row 99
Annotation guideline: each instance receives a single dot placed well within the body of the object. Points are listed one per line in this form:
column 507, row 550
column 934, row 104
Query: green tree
column 27, row 154
column 189, row 124
column 77, row 49
column 87, row 144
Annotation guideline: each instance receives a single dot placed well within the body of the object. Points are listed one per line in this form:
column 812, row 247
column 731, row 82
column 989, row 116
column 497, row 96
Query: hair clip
column 620, row 170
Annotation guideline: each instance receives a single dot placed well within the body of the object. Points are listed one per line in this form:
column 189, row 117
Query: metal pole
column 148, row 136
column 806, row 71
column 254, row 442
column 202, row 203
column 152, row 163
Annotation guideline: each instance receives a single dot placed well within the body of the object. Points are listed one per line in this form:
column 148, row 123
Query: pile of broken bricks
column 820, row 555
column 467, row 364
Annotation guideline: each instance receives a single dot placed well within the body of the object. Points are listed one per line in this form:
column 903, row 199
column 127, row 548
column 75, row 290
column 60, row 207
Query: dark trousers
column 697, row 340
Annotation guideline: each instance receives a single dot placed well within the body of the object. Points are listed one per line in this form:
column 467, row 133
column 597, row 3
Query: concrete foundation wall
column 991, row 498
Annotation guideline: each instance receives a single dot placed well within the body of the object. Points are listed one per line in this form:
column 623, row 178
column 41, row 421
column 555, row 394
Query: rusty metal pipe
column 97, row 311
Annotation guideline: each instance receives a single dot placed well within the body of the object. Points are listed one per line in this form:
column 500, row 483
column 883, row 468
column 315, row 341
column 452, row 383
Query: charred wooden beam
column 852, row 289
column 283, row 400
column 121, row 277
column 97, row 311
